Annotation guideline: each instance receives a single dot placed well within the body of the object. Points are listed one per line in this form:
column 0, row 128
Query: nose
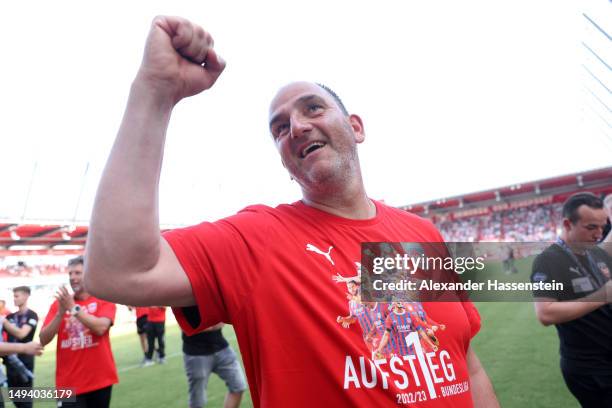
column 598, row 234
column 299, row 126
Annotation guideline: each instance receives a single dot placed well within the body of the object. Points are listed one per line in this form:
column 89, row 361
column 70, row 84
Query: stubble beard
column 333, row 178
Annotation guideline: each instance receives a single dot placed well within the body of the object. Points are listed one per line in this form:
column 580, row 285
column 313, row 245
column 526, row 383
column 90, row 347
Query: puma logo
column 312, row 248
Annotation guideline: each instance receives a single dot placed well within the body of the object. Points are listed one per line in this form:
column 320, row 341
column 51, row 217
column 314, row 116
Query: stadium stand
column 526, row 212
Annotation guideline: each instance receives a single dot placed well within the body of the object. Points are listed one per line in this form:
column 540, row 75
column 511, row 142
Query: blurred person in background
column 208, row 352
column 3, row 310
column 141, row 328
column 585, row 326
column 20, row 327
column 84, row 357
column 156, row 331
column 32, row 348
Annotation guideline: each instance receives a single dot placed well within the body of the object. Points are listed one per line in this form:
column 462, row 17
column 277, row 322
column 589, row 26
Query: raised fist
column 179, row 59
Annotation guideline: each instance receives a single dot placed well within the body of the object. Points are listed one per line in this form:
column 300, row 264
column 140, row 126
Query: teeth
column 311, row 147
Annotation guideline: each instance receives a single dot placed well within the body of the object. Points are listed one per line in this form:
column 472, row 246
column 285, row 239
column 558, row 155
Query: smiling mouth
column 311, row 148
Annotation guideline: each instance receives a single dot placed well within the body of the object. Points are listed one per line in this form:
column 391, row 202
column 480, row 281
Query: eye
column 313, row 107
column 281, row 130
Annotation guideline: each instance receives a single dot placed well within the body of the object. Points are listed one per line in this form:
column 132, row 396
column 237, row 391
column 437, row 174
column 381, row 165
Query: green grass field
column 155, row 386
column 519, row 354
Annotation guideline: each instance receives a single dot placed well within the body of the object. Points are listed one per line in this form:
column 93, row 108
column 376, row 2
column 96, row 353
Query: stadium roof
column 44, row 238
column 598, row 181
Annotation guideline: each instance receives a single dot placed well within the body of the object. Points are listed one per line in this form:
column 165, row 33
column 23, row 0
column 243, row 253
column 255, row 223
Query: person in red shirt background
column 84, row 357
column 156, row 329
column 142, row 314
column 3, row 310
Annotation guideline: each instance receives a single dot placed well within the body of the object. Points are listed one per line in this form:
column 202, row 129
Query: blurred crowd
column 534, row 223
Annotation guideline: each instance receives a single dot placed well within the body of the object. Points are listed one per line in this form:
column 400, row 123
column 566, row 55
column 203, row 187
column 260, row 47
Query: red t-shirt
column 84, row 361
column 157, row 314
column 268, row 271
column 141, row 311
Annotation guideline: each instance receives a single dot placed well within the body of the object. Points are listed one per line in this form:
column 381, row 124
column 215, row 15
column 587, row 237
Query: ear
column 567, row 224
column 357, row 126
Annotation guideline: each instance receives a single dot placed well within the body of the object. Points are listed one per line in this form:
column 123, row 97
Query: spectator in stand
column 156, row 328
column 84, row 357
column 533, row 223
column 20, row 328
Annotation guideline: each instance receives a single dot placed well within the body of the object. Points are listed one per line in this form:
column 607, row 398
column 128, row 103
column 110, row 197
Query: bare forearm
column 483, row 393
column 48, row 332
column 124, row 233
column 11, row 348
column 561, row 312
column 482, row 390
column 15, row 331
column 98, row 325
column 124, row 248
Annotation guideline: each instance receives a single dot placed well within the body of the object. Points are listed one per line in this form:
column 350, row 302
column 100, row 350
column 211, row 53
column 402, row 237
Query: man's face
column 20, row 298
column 588, row 230
column 316, row 140
column 398, row 307
column 75, row 273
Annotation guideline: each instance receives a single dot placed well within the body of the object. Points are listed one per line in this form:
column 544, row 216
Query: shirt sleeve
column 223, row 261
column 107, row 309
column 51, row 313
column 541, row 271
column 473, row 317
column 32, row 319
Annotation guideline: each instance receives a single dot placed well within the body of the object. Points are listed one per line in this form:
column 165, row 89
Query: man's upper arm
column 167, row 283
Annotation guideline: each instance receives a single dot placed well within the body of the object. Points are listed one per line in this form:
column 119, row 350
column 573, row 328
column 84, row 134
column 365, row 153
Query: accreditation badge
column 582, row 285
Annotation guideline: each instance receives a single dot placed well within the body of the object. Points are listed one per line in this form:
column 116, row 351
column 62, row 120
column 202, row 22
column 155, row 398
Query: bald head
column 304, row 85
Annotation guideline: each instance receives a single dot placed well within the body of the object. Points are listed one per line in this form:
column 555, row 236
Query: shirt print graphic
column 78, row 335
column 404, row 349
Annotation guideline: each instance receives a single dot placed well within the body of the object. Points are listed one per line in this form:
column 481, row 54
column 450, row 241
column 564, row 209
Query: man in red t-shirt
column 156, row 330
column 141, row 328
column 85, row 360
column 266, row 270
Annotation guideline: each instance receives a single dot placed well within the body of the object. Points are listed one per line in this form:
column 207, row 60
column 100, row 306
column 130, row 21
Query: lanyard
column 592, row 264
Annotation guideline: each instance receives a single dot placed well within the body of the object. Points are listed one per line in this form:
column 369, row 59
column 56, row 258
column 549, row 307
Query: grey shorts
column 224, row 363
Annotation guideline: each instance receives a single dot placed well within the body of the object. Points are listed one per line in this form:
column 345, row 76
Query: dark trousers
column 14, row 380
column 93, row 399
column 591, row 390
column 155, row 330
